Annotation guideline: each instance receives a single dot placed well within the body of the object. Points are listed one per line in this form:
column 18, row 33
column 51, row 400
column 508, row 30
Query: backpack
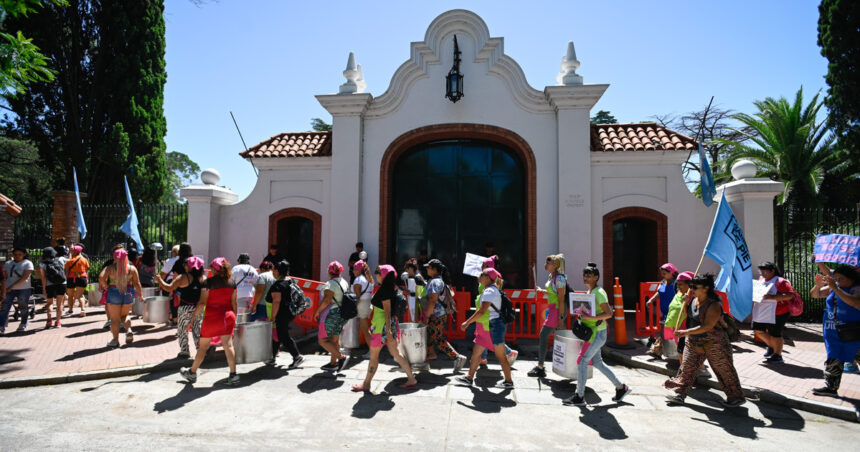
column 348, row 304
column 54, row 271
column 448, row 301
column 795, row 305
column 507, row 313
column 398, row 305
column 298, row 303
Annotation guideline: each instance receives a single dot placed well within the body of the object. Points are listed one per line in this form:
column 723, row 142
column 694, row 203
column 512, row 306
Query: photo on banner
column 581, row 303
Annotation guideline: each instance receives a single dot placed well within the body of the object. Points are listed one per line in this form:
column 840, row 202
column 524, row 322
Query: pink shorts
column 551, row 317
column 321, row 333
column 482, row 337
column 376, row 339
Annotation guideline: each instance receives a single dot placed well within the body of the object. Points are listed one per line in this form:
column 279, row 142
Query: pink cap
column 384, row 270
column 195, row 263
column 669, row 268
column 492, row 273
column 217, row 264
column 77, row 249
column 490, row 262
column 359, row 265
column 335, row 267
column 686, row 276
column 120, row 253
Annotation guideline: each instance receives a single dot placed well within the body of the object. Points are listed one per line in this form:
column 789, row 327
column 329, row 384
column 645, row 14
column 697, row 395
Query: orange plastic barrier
column 620, row 324
column 312, row 300
column 647, row 317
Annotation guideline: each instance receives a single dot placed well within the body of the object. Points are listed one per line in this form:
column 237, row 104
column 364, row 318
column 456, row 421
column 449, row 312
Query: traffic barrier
column 647, row 317
column 312, row 300
column 620, row 324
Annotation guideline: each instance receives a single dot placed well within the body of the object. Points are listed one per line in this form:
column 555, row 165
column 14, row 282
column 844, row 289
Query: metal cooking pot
column 565, row 351
column 138, row 307
column 150, row 292
column 252, row 342
column 413, row 342
column 350, row 337
column 156, row 309
column 94, row 294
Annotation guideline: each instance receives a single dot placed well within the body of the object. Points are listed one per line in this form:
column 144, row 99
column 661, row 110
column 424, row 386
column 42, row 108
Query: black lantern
column 454, row 80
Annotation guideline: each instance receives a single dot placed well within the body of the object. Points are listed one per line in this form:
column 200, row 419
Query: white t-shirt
column 338, row 293
column 492, row 295
column 168, row 266
column 361, row 281
column 244, row 277
column 14, row 272
column 772, row 282
column 62, row 261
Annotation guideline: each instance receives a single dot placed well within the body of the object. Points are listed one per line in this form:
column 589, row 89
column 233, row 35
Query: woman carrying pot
column 435, row 313
column 189, row 284
column 279, row 296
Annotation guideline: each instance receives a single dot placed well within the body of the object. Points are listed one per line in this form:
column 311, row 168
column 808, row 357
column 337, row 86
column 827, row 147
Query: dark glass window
column 452, row 197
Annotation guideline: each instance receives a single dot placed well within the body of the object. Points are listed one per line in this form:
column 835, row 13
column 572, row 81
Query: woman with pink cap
column 189, row 285
column 328, row 315
column 665, row 292
column 384, row 330
column 218, row 298
column 77, row 267
column 123, row 287
column 490, row 262
column 362, row 287
column 675, row 317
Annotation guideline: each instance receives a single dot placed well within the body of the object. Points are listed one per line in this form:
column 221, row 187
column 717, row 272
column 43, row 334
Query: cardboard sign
column 837, row 248
column 760, row 289
column 582, row 303
column 559, row 356
column 764, row 311
column 472, row 265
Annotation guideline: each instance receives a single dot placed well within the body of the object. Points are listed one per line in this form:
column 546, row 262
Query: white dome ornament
column 744, row 169
column 354, row 77
column 210, row 176
column 569, row 65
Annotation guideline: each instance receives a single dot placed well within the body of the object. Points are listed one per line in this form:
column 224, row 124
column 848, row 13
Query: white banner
column 472, row 266
column 764, row 312
column 760, row 289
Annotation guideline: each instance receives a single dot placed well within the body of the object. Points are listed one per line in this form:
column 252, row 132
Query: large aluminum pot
column 350, row 337
column 253, row 342
column 565, row 351
column 150, row 292
column 94, row 294
column 156, row 309
column 138, row 307
column 413, row 342
column 243, row 317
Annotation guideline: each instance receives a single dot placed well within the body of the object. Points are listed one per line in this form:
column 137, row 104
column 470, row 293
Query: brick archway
column 314, row 217
column 436, row 132
column 644, row 213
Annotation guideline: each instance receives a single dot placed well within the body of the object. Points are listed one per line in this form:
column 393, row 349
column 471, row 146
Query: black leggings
column 282, row 326
column 543, row 343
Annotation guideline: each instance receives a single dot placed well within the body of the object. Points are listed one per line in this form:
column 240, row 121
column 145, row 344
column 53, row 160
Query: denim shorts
column 115, row 298
column 497, row 331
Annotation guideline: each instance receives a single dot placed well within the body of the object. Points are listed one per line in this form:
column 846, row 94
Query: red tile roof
column 11, row 208
column 647, row 136
column 292, row 144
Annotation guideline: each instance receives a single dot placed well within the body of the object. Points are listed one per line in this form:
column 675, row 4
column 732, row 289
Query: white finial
column 351, row 74
column 210, row 176
column 744, row 169
column 362, row 85
column 569, row 65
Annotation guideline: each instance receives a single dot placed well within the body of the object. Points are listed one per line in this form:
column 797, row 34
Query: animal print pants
column 717, row 349
column 436, row 336
column 185, row 314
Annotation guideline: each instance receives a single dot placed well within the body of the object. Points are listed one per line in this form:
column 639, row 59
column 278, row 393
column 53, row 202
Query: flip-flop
column 406, row 386
column 359, row 388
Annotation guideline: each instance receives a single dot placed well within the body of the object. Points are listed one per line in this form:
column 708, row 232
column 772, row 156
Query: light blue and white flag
column 82, row 227
column 728, row 247
column 130, row 225
column 707, row 178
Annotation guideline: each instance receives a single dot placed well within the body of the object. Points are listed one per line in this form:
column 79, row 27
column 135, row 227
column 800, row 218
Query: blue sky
column 265, row 60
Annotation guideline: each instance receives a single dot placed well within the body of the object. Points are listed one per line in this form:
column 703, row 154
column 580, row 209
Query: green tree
column 319, row 125
column 839, row 38
column 21, row 62
column 23, row 178
column 788, row 144
column 603, row 117
column 181, row 170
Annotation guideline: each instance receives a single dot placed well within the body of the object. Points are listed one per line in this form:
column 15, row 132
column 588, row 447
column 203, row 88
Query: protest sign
column 837, row 248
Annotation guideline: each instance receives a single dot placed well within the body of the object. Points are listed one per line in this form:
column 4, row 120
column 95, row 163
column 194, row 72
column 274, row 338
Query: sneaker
column 768, row 353
column 183, row 355
column 329, row 367
column 774, row 359
column 107, row 325
column 704, row 373
column 505, row 385
column 538, row 371
column 675, row 399
column 21, row 328
column 232, row 380
column 366, row 356
column 129, row 337
column 57, row 323
column 574, row 400
column 825, row 391
column 188, row 375
column 512, row 357
column 850, row 368
column 341, row 363
column 297, row 361
column 459, row 363
column 733, row 404
column 464, row 380
column 122, row 327
column 113, row 343
column 270, row 362
column 621, row 392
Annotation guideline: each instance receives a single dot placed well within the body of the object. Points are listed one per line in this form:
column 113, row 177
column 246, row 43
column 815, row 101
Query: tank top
column 694, row 319
column 190, row 294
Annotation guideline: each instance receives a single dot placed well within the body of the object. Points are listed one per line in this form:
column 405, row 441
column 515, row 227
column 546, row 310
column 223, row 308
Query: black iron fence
column 796, row 230
column 33, row 226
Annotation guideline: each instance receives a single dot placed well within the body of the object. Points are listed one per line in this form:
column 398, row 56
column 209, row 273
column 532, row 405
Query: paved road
column 307, row 409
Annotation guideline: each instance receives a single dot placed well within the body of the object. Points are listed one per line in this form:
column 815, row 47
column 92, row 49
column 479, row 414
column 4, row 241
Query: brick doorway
column 635, row 244
column 297, row 232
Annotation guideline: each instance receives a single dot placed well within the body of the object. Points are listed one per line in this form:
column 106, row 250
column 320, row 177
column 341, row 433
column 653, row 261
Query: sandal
column 359, row 388
column 129, row 336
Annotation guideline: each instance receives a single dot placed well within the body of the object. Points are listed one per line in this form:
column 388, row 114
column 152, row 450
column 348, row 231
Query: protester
column 167, row 275
column 265, row 280
column 61, row 248
column 675, row 317
column 77, row 278
column 707, row 339
column 18, row 287
column 279, row 296
column 355, row 257
column 190, row 286
column 274, row 256
column 490, row 332
column 415, row 286
column 841, row 287
column 440, row 300
column 665, row 292
column 105, row 265
column 362, row 287
column 134, row 258
column 328, row 315
column 556, row 293
column 490, row 262
column 590, row 351
column 123, row 286
column 244, row 277
column 782, row 292
column 218, row 299
column 148, row 268
column 52, row 272
column 385, row 330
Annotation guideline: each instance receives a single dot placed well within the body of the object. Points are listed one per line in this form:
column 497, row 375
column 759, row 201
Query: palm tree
column 789, row 145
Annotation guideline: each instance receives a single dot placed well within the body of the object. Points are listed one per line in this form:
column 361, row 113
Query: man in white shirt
column 244, row 277
column 18, row 272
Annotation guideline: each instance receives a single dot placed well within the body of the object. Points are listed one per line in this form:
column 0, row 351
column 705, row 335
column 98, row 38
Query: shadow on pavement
column 485, row 401
column 11, row 356
column 190, row 393
column 795, row 371
column 84, row 353
column 599, row 419
column 150, row 342
column 369, row 404
column 322, row 381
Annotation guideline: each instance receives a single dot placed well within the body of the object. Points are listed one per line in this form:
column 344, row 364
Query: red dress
column 219, row 319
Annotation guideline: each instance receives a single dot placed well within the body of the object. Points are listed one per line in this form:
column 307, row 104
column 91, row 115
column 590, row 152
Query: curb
column 750, row 392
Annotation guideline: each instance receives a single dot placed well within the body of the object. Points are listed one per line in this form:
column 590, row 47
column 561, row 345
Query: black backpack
column 398, row 305
column 54, row 271
column 297, row 299
column 507, row 313
column 348, row 304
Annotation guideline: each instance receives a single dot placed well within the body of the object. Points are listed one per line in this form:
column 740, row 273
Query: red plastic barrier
column 312, row 300
column 647, row 317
